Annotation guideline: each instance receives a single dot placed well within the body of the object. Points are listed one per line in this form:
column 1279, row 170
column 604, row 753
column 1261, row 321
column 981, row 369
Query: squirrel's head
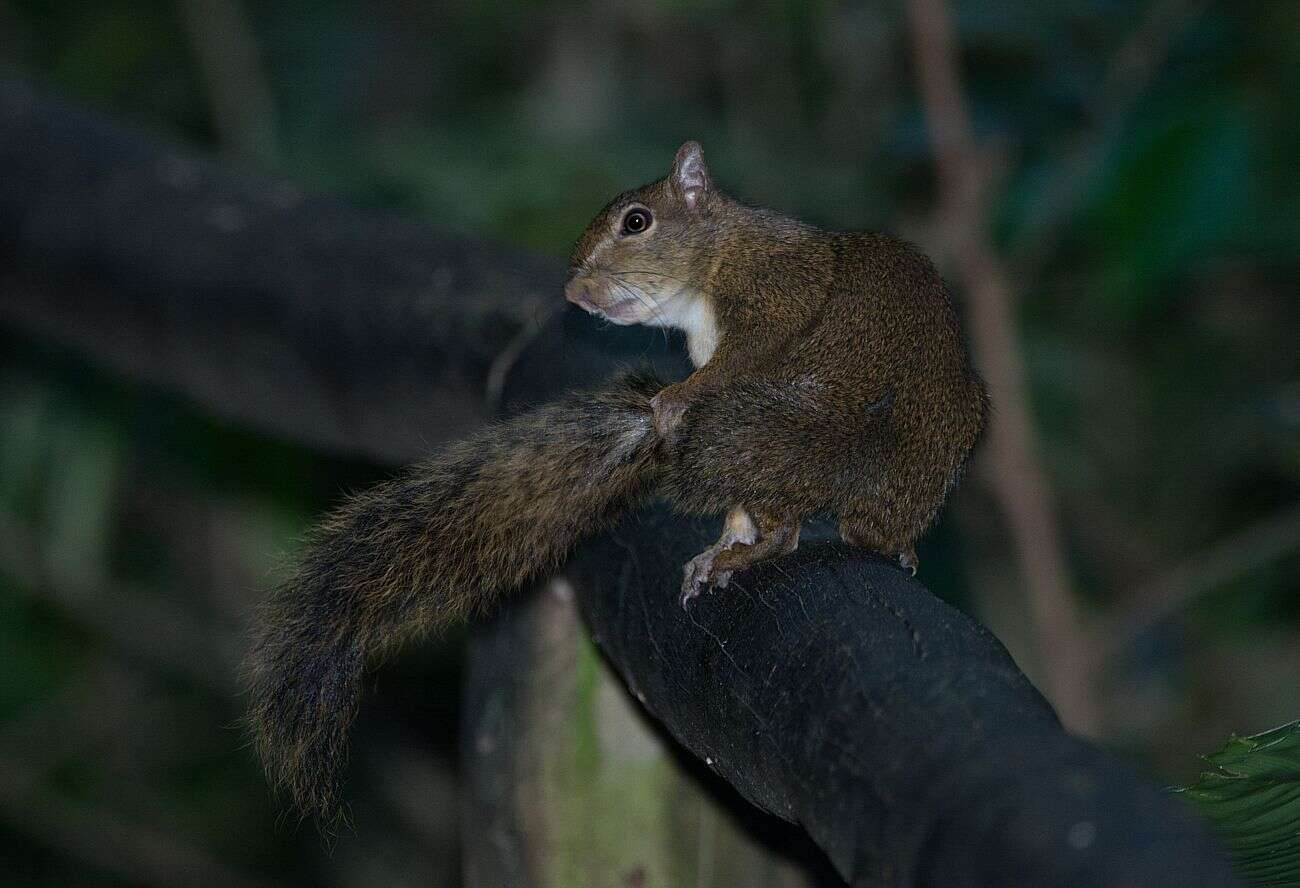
column 642, row 260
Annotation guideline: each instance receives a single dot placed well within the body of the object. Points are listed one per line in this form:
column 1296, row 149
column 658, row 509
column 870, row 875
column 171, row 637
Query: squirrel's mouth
column 595, row 297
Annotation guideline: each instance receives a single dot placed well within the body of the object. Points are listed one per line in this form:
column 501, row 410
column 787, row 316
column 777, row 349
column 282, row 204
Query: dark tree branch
column 1173, row 590
column 524, row 777
column 225, row 52
column 357, row 332
column 826, row 688
column 833, row 691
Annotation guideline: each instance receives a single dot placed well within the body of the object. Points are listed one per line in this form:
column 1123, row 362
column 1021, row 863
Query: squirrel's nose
column 575, row 289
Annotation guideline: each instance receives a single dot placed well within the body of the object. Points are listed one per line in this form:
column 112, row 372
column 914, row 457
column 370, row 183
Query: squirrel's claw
column 699, row 574
column 703, row 570
column 907, row 560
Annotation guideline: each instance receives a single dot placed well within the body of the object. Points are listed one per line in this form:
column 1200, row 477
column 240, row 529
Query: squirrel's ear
column 690, row 176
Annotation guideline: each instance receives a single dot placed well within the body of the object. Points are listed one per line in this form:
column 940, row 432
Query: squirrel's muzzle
column 597, row 292
column 577, row 290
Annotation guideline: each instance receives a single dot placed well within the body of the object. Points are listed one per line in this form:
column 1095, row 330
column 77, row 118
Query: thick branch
column 356, row 332
column 833, row 691
column 544, row 811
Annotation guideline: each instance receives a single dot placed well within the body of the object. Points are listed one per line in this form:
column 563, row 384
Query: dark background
column 1141, row 194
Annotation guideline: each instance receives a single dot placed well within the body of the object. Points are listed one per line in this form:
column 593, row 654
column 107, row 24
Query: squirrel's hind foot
column 744, row 542
column 907, row 561
column 699, row 575
column 864, row 536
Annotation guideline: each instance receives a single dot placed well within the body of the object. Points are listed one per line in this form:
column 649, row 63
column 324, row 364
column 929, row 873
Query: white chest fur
column 701, row 334
column 697, row 321
column 690, row 312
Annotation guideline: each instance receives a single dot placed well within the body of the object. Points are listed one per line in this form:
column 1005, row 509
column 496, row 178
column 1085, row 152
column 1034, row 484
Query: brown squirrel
column 831, row 378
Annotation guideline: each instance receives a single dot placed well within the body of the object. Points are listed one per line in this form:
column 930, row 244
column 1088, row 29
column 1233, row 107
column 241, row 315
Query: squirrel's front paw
column 669, row 407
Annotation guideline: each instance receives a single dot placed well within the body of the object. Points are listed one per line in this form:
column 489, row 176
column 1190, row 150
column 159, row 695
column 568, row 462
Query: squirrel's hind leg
column 746, row 539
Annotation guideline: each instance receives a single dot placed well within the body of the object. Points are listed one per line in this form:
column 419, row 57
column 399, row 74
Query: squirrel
column 831, row 379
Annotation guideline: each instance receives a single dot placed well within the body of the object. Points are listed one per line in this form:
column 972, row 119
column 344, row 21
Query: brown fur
column 838, row 384
column 436, row 545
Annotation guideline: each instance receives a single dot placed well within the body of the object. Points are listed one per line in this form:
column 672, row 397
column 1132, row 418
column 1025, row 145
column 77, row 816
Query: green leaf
column 1251, row 796
column 1177, row 192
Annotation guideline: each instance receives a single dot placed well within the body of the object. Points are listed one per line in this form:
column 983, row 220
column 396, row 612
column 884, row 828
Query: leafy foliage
column 1252, row 796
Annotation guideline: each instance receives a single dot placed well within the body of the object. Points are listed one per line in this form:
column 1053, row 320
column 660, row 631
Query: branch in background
column 1177, row 588
column 107, row 841
column 1016, row 474
column 379, row 333
column 145, row 629
column 1126, row 81
column 230, row 67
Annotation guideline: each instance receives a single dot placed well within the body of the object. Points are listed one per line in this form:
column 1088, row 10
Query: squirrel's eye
column 636, row 221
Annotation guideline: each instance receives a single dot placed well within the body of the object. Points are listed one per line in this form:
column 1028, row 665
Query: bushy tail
column 435, row 545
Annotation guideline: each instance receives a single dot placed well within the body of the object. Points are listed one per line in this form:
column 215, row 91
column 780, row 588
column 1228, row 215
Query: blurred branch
column 226, row 55
column 1178, row 588
column 504, row 361
column 91, row 703
column 1016, row 474
column 123, row 618
column 537, row 805
column 353, row 331
column 1126, row 81
column 105, row 840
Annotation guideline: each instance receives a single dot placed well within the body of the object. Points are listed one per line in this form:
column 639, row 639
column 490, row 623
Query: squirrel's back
column 868, row 414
